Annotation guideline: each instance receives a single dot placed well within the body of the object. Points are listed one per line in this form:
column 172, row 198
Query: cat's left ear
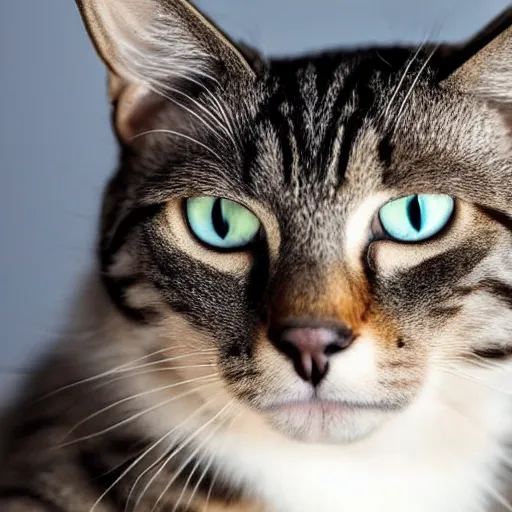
column 483, row 65
column 157, row 49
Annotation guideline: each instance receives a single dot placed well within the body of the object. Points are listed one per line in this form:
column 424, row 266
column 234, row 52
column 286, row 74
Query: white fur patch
column 436, row 456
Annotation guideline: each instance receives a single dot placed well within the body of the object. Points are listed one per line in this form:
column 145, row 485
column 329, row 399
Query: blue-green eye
column 417, row 217
column 221, row 223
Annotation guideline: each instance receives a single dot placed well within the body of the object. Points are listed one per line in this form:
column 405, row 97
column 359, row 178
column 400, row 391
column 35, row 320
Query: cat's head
column 333, row 233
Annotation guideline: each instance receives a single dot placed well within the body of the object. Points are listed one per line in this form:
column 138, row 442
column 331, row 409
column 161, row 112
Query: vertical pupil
column 414, row 213
column 219, row 223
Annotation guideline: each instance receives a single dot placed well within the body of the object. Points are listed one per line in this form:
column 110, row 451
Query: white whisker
column 465, row 359
column 200, row 479
column 151, row 372
column 191, row 456
column 178, row 134
column 169, row 98
column 216, row 472
column 210, row 489
column 472, row 378
column 137, row 415
column 184, row 465
column 145, row 454
column 403, row 77
column 107, row 373
column 154, row 464
column 198, row 104
column 414, row 82
column 498, row 497
column 125, row 369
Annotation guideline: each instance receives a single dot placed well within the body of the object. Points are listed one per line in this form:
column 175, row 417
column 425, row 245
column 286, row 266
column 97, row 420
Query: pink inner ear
column 135, row 107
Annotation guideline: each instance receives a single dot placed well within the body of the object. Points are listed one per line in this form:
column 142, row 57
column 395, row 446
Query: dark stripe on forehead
column 356, row 88
column 352, row 128
column 297, row 107
column 269, row 112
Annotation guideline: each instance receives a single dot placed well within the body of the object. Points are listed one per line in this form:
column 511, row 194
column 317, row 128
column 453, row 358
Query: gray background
column 56, row 148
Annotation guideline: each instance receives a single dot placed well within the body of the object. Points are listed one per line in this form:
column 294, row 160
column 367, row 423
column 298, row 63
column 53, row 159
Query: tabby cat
column 303, row 296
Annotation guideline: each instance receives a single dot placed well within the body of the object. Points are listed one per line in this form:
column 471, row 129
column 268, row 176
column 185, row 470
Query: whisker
column 403, row 77
column 204, row 109
column 217, row 470
column 187, row 481
column 200, row 479
column 467, row 360
column 178, row 134
column 200, row 446
column 206, row 469
column 414, row 82
column 210, row 489
column 212, row 97
column 154, row 464
column 192, row 112
column 164, row 89
column 192, row 455
column 159, row 362
column 151, row 371
column 139, row 395
column 106, row 373
column 145, row 454
column 471, row 378
column 137, row 415
column 498, row 497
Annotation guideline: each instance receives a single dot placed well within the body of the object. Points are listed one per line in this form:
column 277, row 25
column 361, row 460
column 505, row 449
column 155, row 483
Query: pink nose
column 309, row 345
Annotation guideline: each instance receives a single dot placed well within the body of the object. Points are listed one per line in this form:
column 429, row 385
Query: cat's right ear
column 483, row 65
column 154, row 48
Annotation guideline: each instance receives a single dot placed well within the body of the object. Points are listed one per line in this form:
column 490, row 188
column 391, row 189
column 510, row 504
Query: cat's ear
column 483, row 65
column 151, row 46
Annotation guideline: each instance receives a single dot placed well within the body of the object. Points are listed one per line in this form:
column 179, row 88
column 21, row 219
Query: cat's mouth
column 317, row 405
column 317, row 420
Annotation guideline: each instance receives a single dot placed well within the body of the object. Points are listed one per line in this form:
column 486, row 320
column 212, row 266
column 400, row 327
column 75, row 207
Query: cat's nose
column 309, row 345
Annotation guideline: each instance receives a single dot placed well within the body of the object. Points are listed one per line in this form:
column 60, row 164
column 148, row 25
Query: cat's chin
column 325, row 422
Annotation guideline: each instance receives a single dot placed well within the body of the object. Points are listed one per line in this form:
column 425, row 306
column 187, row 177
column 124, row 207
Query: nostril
column 333, row 348
column 289, row 349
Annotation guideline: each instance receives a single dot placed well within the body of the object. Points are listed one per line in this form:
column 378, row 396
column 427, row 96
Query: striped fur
column 165, row 392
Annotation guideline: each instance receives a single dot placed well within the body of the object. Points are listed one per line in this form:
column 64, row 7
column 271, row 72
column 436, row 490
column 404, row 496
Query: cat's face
column 258, row 216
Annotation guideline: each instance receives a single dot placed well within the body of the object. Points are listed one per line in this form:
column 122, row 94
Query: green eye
column 417, row 217
column 221, row 223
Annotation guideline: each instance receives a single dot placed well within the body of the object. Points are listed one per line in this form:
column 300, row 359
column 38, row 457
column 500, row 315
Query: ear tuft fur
column 159, row 47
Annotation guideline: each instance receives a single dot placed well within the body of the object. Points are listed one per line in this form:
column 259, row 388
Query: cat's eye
column 417, row 217
column 221, row 223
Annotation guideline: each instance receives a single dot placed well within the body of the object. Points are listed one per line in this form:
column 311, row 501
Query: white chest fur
column 437, row 456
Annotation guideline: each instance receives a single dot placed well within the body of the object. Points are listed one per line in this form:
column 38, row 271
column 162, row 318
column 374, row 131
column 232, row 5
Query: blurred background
column 56, row 147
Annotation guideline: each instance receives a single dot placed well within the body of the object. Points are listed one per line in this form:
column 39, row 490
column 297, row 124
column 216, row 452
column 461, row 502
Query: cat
column 303, row 292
